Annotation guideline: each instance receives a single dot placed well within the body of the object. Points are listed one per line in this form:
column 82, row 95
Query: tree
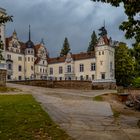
column 131, row 27
column 93, row 42
column 66, row 48
column 124, row 65
column 5, row 18
column 136, row 55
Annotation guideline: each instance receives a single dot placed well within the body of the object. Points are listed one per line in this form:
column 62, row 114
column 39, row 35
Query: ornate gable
column 69, row 58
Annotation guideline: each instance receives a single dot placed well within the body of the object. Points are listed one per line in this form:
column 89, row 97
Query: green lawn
column 98, row 98
column 22, row 118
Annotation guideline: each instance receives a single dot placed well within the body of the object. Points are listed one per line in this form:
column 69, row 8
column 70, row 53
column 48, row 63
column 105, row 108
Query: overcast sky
column 53, row 20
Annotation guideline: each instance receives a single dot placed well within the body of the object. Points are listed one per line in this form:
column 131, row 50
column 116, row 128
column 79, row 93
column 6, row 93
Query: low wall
column 104, row 85
column 73, row 84
column 2, row 77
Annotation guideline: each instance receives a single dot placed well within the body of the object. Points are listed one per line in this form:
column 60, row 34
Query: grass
column 22, row 118
column 7, row 89
column 116, row 113
column 98, row 98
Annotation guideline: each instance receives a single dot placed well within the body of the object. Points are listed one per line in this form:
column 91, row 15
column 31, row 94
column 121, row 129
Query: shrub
column 136, row 82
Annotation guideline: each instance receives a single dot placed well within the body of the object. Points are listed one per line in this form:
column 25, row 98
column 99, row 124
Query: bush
column 136, row 82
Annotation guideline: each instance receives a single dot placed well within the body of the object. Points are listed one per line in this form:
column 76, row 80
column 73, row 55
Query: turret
column 29, row 58
column 104, row 58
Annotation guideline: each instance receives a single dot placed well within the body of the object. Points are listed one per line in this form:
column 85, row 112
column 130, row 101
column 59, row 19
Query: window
column 69, row 68
column 93, row 66
column 8, row 56
column 101, row 62
column 43, row 62
column 102, row 75
column 9, row 66
column 86, row 77
column 92, row 76
column 32, row 68
column 81, row 77
column 19, row 68
column 111, row 66
column 99, row 53
column 28, row 58
column 51, row 71
column 28, row 51
column 102, row 52
column 81, row 67
column 8, row 77
column 19, row 58
column 60, row 78
column 19, row 78
column 60, row 70
column 40, row 69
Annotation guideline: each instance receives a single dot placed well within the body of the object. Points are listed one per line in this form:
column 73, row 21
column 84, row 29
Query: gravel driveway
column 79, row 115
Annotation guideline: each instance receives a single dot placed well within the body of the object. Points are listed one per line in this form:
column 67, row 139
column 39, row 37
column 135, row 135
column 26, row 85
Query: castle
column 29, row 61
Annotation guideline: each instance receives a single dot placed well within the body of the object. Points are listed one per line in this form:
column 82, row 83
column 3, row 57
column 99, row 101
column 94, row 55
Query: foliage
column 5, row 18
column 98, row 98
column 66, row 48
column 136, row 55
column 124, row 65
column 136, row 82
column 132, row 10
column 22, row 118
column 93, row 42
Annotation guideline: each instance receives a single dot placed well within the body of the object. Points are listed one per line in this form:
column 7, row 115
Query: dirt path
column 79, row 115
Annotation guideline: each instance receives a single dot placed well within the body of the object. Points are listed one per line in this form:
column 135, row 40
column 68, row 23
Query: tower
column 104, row 52
column 29, row 58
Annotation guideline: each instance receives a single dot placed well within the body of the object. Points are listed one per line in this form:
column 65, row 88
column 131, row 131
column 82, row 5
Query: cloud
column 54, row 20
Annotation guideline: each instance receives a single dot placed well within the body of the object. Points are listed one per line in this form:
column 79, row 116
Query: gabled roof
column 80, row 56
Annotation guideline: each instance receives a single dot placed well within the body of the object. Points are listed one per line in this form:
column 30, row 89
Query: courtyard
column 81, row 117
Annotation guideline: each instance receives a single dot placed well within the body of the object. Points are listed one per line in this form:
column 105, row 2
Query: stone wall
column 2, row 77
column 104, row 85
column 73, row 84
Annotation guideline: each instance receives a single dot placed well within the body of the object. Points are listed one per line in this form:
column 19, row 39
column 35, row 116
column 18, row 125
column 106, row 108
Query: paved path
column 79, row 115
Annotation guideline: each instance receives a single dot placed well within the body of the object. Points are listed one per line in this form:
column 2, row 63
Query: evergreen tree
column 132, row 25
column 124, row 65
column 66, row 48
column 93, row 42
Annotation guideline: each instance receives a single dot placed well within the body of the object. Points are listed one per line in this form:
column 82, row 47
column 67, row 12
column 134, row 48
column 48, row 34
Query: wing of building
column 29, row 61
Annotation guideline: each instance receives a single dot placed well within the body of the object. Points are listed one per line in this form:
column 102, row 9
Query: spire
column 29, row 34
column 104, row 23
column 42, row 41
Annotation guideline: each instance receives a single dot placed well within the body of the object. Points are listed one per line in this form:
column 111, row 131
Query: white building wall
column 55, row 68
column 16, row 64
column 87, row 68
column 2, row 33
column 104, row 56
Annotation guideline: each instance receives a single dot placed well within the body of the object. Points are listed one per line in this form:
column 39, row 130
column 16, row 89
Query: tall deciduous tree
column 93, row 42
column 5, row 18
column 124, row 65
column 132, row 10
column 136, row 54
column 66, row 47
